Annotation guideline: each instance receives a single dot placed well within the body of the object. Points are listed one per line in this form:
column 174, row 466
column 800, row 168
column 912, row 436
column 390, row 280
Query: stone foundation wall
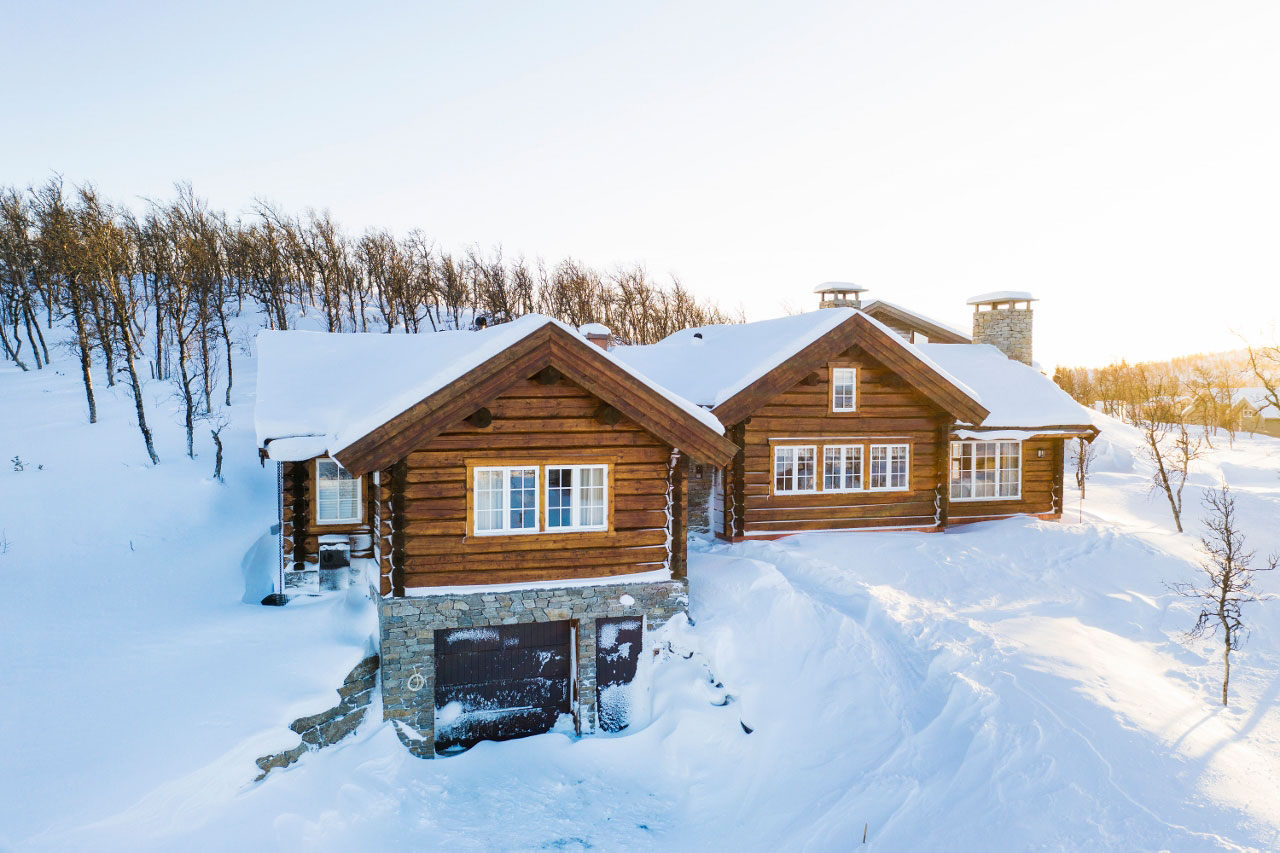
column 1007, row 329
column 408, row 626
column 698, row 479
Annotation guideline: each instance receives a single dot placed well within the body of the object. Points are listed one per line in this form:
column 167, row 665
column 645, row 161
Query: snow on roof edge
column 962, row 387
column 499, row 338
column 947, row 326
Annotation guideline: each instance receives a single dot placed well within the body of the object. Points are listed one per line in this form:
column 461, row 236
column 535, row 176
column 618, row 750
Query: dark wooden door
column 501, row 681
column 618, row 646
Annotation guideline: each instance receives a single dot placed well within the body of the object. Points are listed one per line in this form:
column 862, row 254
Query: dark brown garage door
column 619, row 641
column 501, row 681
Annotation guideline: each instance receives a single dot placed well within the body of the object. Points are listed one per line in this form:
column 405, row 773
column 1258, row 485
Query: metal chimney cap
column 839, row 287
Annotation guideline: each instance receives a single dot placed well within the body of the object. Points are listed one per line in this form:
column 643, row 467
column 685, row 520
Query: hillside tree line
column 151, row 295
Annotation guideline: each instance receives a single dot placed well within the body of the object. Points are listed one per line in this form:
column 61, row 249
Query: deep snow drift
column 1010, row 685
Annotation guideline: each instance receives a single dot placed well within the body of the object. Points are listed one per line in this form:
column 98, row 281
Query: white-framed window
column 577, row 497
column 890, row 467
column 506, row 500
column 844, row 389
column 337, row 494
column 794, row 469
column 842, row 468
column 986, row 470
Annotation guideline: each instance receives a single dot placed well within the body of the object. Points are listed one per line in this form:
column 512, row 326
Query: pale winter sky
column 1121, row 160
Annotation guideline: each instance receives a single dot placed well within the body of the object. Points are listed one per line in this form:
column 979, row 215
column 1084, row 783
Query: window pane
column 984, row 469
column 591, row 500
column 806, row 463
column 1010, row 469
column 853, row 468
column 488, row 500
column 832, row 468
column 843, row 380
column 784, row 471
column 898, row 467
column 879, row 466
column 523, row 513
column 559, row 497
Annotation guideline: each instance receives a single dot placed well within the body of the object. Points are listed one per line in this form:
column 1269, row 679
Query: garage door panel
column 499, row 682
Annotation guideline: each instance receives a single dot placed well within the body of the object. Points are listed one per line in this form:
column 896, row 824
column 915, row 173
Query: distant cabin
column 841, row 423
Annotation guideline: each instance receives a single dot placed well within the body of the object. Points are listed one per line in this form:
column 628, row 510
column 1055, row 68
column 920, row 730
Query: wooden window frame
column 951, row 484
column 315, row 495
column 573, row 499
column 832, row 367
column 862, row 468
column 474, row 472
column 773, row 469
column 888, row 447
column 541, row 529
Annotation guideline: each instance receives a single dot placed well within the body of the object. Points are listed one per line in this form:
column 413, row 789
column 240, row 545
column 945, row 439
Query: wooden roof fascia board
column 786, row 374
column 549, row 345
column 937, row 334
column 433, row 415
column 856, row 330
column 655, row 413
column 919, row 374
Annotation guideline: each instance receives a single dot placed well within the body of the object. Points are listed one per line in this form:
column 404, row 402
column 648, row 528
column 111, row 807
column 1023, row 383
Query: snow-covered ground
column 1009, row 685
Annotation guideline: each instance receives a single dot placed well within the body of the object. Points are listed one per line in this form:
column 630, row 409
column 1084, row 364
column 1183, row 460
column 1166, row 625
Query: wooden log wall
column 547, row 423
column 1041, row 487
column 299, row 534
column 888, row 411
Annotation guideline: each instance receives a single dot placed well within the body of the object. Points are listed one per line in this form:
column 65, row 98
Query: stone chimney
column 598, row 334
column 839, row 294
column 1003, row 319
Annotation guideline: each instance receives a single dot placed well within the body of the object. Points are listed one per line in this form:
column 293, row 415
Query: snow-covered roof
column 594, row 329
column 709, row 365
column 1016, row 395
column 319, row 392
column 1001, row 296
column 839, row 287
column 923, row 317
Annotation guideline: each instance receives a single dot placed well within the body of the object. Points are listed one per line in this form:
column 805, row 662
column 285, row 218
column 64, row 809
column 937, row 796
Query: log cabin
column 841, row 423
column 515, row 497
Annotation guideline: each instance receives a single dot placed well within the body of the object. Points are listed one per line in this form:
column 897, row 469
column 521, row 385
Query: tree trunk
column 10, row 352
column 26, row 316
column 1226, row 668
column 189, row 402
column 217, row 463
column 82, row 340
column 39, row 334
column 226, row 339
column 135, row 382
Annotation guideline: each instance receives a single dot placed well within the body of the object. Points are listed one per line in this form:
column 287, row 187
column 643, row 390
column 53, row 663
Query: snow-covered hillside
column 1009, row 685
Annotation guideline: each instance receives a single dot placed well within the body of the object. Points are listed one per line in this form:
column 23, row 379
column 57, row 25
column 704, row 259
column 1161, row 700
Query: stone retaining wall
column 329, row 727
column 408, row 627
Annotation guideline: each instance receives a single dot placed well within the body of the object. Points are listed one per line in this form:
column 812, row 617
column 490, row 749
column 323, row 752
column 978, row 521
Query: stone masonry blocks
column 407, row 629
column 1007, row 329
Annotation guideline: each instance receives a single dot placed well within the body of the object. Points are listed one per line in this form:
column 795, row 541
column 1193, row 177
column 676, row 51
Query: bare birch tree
column 1228, row 580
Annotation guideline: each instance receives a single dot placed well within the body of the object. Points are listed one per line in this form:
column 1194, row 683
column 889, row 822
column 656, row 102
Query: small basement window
column 890, row 467
column 794, row 469
column 577, row 497
column 844, row 389
column 337, row 494
column 986, row 470
column 506, row 500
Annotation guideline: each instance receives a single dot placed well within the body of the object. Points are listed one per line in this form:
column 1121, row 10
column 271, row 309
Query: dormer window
column 844, row 389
